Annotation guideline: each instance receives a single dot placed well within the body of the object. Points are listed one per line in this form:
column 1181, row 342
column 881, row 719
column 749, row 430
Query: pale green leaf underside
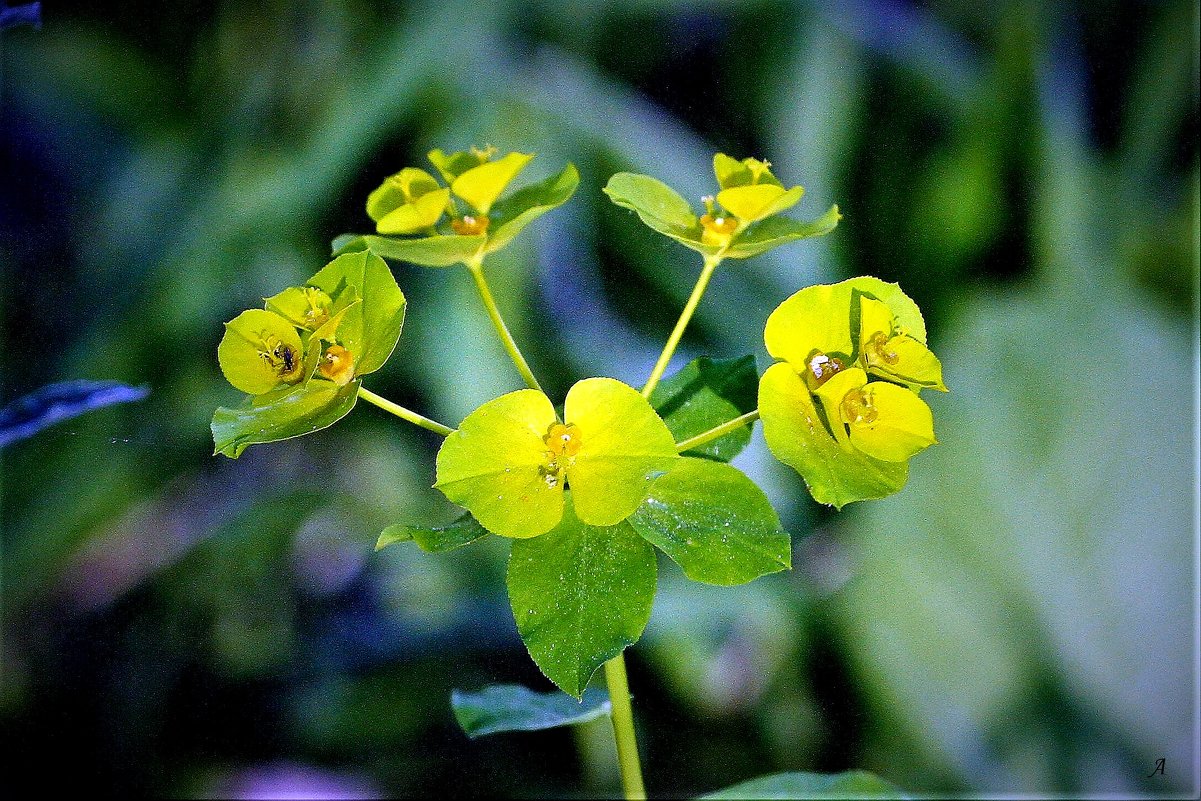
column 847, row 785
column 305, row 409
column 797, row 436
column 715, row 523
column 428, row 251
column 439, row 539
column 580, row 595
column 511, row 707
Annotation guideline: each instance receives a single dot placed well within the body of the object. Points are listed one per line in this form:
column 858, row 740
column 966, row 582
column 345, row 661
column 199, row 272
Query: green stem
column 717, row 431
column 403, row 413
column 476, row 266
column 669, row 349
column 623, row 728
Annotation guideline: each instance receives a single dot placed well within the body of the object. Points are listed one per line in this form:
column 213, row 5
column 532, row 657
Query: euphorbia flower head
column 848, row 435
column 512, row 458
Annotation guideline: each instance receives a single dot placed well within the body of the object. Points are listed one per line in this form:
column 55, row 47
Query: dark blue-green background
column 1020, row 619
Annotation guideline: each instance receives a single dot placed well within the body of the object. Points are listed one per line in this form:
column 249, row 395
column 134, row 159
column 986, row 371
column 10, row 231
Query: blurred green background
column 1020, row 619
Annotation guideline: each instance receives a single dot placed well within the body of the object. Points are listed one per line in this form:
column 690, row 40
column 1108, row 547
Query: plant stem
column 623, row 728
column 476, row 266
column 403, row 413
column 717, row 431
column 669, row 349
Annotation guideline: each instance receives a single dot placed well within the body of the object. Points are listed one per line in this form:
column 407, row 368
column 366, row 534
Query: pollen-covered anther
column 337, row 364
column 858, row 408
column 822, row 368
column 878, row 349
column 470, row 225
column 283, row 358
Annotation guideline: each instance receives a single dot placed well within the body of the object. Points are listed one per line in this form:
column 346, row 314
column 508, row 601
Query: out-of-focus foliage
column 1017, row 620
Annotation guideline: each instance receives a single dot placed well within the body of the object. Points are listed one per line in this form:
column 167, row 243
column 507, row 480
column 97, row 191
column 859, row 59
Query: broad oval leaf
column 580, row 595
column 493, row 465
column 797, row 435
column 398, row 190
column 371, row 328
column 625, row 446
column 463, row 531
column 307, row 408
column 758, row 201
column 848, row 785
column 515, row 212
column 427, row 251
column 511, row 707
column 705, row 394
column 715, row 523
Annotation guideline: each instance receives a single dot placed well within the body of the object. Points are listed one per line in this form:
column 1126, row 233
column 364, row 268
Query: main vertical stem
column 476, row 267
column 670, row 348
column 623, row 728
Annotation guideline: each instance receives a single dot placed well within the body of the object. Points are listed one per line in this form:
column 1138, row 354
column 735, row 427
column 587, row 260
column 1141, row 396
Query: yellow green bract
column 424, row 222
column 741, row 220
column 260, row 352
column 510, row 460
column 848, row 435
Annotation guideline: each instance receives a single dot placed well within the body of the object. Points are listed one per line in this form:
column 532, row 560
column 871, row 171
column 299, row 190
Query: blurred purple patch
column 54, row 403
column 28, row 14
column 288, row 780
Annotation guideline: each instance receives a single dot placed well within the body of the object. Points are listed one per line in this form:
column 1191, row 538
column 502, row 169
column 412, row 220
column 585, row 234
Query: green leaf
column 370, row 329
column 730, row 171
column 659, row 206
column 515, row 212
column 797, row 435
column 580, row 595
column 851, row 784
column 463, row 531
column 775, row 231
column 758, row 201
column 511, row 707
column 715, row 523
column 705, row 394
column 303, row 410
column 428, row 251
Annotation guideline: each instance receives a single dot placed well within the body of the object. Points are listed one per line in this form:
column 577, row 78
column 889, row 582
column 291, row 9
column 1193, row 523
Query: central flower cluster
column 413, row 202
column 562, row 445
column 511, row 460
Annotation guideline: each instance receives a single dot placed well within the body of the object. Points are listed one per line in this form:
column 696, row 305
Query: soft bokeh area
column 1021, row 618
